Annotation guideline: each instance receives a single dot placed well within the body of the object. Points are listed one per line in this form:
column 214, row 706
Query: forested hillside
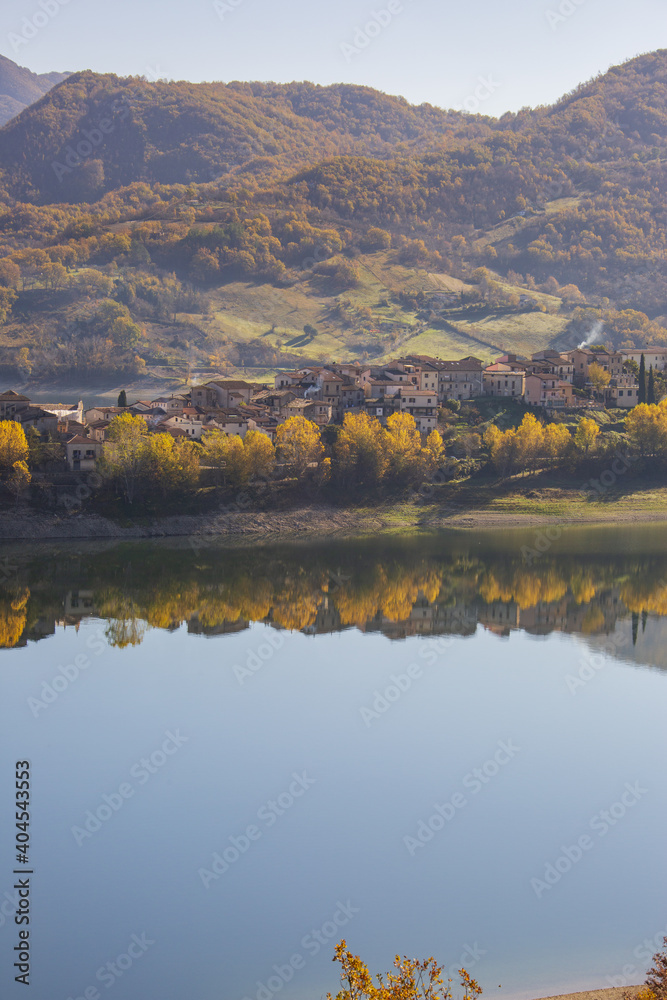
column 256, row 223
column 19, row 87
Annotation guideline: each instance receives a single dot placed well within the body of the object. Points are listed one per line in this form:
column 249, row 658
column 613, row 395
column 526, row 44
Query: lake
column 449, row 745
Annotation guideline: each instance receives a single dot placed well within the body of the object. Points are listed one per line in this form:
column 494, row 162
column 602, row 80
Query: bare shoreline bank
column 303, row 522
column 606, row 993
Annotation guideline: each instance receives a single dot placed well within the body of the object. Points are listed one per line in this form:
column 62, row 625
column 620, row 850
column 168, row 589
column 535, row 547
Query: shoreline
column 308, row 522
column 605, row 993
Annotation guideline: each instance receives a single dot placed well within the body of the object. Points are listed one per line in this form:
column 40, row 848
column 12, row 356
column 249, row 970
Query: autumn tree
column 7, row 299
column 433, row 453
column 298, row 444
column 124, row 459
column 171, row 465
column 529, row 442
column 404, row 447
column 10, row 273
column 598, row 378
column 646, row 427
column 226, row 453
column 656, row 978
column 361, row 450
column 412, row 980
column 260, row 454
column 586, row 435
column 13, row 446
column 557, row 440
column 503, row 449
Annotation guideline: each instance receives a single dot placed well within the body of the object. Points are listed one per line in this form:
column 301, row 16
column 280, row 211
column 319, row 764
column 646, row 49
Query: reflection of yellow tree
column 123, row 632
column 248, row 598
column 593, row 621
column 168, row 608
column 392, row 593
column 13, row 617
column 526, row 588
column 645, row 595
column 295, row 605
column 126, row 619
column 289, row 593
column 582, row 587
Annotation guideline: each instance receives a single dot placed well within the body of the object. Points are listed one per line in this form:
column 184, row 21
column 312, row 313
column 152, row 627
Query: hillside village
column 417, row 385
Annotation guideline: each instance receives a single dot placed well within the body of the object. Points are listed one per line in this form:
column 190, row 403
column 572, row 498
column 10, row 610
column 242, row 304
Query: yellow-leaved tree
column 529, row 442
column 13, row 445
column 299, row 444
column 646, row 426
column 361, row 451
column 433, row 453
column 172, row 464
column 557, row 440
column 412, row 980
column 260, row 454
column 598, row 378
column 586, row 435
column 502, row 449
column 226, row 453
column 124, row 460
column 404, row 446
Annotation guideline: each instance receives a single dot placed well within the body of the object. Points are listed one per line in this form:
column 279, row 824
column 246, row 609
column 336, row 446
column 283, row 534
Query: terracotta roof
column 12, row 396
column 224, row 384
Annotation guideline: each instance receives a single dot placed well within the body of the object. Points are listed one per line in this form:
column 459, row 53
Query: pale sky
column 511, row 52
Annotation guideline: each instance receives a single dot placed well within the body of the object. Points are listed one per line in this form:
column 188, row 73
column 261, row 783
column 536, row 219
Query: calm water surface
column 439, row 745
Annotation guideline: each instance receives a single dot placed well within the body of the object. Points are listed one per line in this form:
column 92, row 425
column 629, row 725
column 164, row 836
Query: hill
column 173, row 133
column 249, row 224
column 19, row 87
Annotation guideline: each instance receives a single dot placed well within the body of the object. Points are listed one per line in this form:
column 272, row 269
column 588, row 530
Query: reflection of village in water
column 407, row 592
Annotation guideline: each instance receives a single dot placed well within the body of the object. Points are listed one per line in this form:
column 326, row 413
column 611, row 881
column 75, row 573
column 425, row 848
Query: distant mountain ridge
column 20, row 87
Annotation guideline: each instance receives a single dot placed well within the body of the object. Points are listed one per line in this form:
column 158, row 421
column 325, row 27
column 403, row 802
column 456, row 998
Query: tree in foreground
column 656, row 979
column 413, row 980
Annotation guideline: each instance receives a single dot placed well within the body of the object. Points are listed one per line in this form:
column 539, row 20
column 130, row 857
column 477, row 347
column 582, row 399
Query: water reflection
column 436, row 585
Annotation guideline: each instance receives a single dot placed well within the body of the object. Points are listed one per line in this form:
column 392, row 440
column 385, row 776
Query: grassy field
column 371, row 324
